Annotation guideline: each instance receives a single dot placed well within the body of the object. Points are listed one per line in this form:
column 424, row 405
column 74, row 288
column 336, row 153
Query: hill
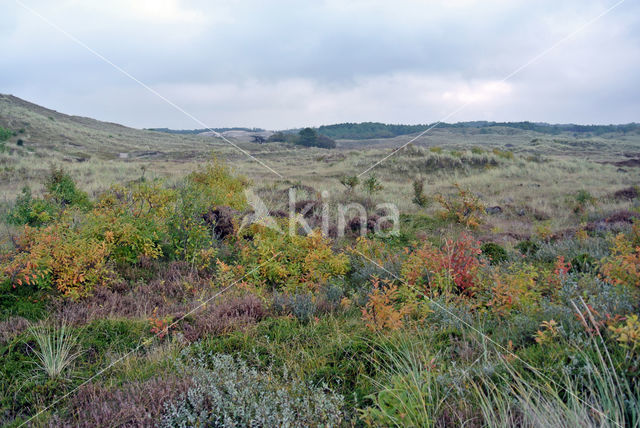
column 369, row 130
column 80, row 138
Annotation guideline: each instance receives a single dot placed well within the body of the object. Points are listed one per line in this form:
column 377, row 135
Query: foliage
column 5, row 134
column 419, row 198
column 494, row 252
column 63, row 190
column 31, row 211
column 454, row 268
column 528, row 247
column 291, row 262
column 227, row 392
column 309, row 137
column 383, row 310
column 59, row 256
column 61, row 193
column 350, row 182
column 628, row 333
column 548, row 332
column 465, row 208
column 623, row 265
column 514, row 289
column 132, row 220
column 372, row 185
column 503, row 153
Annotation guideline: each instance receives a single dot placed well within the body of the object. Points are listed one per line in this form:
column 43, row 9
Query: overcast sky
column 279, row 64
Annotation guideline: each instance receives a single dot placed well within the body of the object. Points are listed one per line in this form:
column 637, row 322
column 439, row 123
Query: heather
column 177, row 303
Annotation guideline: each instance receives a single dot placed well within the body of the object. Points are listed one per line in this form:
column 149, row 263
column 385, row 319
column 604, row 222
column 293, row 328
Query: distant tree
column 258, row 139
column 307, row 137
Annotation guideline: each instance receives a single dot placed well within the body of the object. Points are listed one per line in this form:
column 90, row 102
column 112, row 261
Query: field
column 142, row 287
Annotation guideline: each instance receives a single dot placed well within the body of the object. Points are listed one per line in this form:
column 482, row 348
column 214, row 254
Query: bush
column 452, row 269
column 494, row 252
column 465, row 208
column 63, row 191
column 5, row 134
column 291, row 262
column 584, row 263
column 372, row 185
column 31, row 211
column 623, row 265
column 419, row 198
column 227, row 392
column 59, row 256
column 528, row 247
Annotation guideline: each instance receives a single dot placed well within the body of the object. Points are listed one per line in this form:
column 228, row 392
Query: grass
column 434, row 370
column 56, row 348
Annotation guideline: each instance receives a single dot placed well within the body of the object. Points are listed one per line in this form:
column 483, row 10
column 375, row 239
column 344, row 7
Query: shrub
column 5, row 134
column 230, row 393
column 291, row 262
column 31, row 211
column 503, row 154
column 372, row 185
column 584, row 263
column 528, row 247
column 133, row 220
column 494, row 252
column 350, row 182
column 512, row 290
column 623, row 265
column 59, row 256
column 419, row 198
column 384, row 310
column 627, row 334
column 465, row 208
column 450, row 269
column 63, row 190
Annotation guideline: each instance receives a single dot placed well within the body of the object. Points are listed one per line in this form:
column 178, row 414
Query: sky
column 288, row 64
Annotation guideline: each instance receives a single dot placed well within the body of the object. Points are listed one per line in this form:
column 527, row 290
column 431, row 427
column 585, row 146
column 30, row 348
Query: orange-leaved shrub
column 59, row 256
column 384, row 309
column 451, row 269
column 623, row 265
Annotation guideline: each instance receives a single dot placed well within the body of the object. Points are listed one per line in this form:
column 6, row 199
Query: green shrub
column 5, row 134
column 528, row 247
column 227, row 392
column 584, row 263
column 494, row 252
column 63, row 190
column 31, row 211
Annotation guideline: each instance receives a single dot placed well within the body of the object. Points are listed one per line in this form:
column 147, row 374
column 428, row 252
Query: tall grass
column 55, row 349
column 409, row 393
column 601, row 397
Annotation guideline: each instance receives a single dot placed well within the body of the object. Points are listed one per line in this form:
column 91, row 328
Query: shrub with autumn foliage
column 465, row 208
column 290, row 262
column 623, row 265
column 384, row 309
column 61, row 257
column 450, row 269
column 80, row 247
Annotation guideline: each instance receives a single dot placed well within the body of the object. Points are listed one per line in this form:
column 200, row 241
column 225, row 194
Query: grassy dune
column 134, row 290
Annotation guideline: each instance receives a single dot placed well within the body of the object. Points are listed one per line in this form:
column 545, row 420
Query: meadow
column 138, row 289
